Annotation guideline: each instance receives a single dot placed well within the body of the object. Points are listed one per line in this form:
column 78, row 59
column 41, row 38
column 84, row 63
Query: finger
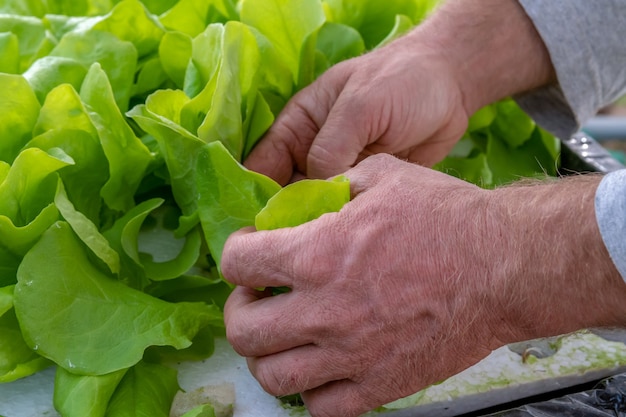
column 340, row 140
column 264, row 326
column 281, row 150
column 286, row 144
column 343, row 398
column 257, row 259
column 297, row 370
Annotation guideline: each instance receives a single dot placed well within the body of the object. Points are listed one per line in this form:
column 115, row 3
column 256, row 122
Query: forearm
column 555, row 271
column 493, row 46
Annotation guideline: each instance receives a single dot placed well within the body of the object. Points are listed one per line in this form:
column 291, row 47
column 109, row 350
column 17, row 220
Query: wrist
column 492, row 47
column 555, row 274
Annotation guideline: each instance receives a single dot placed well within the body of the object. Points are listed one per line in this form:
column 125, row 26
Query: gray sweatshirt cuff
column 586, row 41
column 610, row 207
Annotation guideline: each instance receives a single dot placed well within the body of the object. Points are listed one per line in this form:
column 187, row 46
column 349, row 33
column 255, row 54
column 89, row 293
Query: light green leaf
column 28, row 188
column 339, row 42
column 19, row 109
column 230, row 196
column 303, row 201
column 9, row 53
column 17, row 360
column 482, row 118
column 17, row 240
column 178, row 147
column 130, row 21
column 80, row 395
column 235, row 89
column 128, row 157
column 374, row 19
column 85, row 178
column 147, row 390
column 474, row 169
column 201, row 75
column 86, row 230
column 193, row 16
column 32, row 38
column 512, row 125
column 529, row 160
column 175, row 52
column 87, row 322
column 276, row 79
column 117, row 58
column 291, row 25
column 63, row 109
column 49, row 72
column 23, row 7
column 26, row 209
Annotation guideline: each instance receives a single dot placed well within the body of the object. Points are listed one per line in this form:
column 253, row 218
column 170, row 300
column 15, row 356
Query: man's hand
column 382, row 300
column 411, row 98
column 401, row 100
column 420, row 276
column 384, row 297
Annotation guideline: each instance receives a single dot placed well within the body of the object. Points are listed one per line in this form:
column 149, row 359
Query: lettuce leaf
column 87, row 322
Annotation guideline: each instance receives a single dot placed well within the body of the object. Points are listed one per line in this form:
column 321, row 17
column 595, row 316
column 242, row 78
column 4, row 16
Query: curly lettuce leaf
column 191, row 17
column 117, row 58
column 375, row 19
column 87, row 322
column 19, row 109
column 34, row 41
column 128, row 157
column 234, row 95
column 9, row 53
column 292, row 27
column 160, row 117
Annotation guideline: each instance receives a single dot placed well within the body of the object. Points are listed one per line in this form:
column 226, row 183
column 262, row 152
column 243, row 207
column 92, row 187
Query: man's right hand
column 411, row 98
column 401, row 99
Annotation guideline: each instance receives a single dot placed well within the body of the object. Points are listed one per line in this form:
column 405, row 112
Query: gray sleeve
column 586, row 40
column 610, row 205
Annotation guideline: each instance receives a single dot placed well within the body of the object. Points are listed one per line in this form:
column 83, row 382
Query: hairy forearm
column 556, row 275
column 492, row 45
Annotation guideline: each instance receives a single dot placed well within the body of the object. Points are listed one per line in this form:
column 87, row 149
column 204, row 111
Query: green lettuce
column 111, row 323
column 123, row 128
